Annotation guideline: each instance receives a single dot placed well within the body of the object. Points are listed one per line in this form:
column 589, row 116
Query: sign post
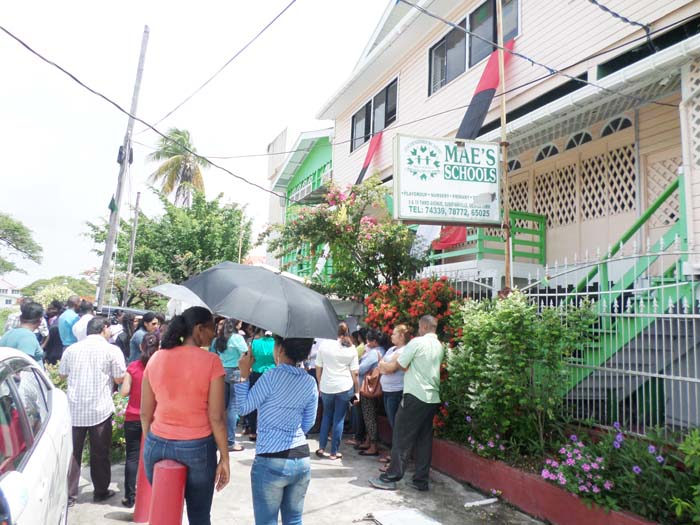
column 438, row 181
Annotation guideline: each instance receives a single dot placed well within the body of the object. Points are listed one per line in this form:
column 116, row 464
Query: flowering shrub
column 366, row 247
column 487, row 446
column 407, row 301
column 579, row 469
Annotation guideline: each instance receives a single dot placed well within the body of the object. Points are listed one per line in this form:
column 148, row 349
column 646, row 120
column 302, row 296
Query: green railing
column 528, row 243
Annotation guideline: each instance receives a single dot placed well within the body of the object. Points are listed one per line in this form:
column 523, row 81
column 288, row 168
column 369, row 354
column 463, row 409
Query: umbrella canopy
column 265, row 299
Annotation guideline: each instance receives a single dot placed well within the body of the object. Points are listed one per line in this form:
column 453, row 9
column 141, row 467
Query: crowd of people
column 189, row 403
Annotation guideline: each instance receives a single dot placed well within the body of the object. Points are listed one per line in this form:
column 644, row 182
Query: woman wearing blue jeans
column 230, row 346
column 336, row 370
column 286, row 399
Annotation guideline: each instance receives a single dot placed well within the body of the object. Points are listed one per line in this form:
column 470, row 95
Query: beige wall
column 573, row 31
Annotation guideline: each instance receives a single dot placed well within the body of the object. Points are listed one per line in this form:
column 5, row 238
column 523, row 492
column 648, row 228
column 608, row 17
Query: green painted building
column 304, row 178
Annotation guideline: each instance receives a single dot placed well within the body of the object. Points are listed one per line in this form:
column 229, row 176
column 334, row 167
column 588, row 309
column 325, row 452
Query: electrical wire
column 137, row 119
column 614, row 14
column 532, row 61
column 511, row 90
column 226, row 64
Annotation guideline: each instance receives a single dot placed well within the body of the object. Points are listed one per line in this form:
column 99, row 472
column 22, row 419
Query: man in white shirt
column 92, row 366
column 87, row 312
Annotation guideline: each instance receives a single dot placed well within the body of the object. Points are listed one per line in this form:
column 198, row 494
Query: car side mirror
column 14, row 491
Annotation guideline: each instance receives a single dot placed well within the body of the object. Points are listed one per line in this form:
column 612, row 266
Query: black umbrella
column 265, row 299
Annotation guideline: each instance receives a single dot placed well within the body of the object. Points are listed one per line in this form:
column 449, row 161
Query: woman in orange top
column 182, row 410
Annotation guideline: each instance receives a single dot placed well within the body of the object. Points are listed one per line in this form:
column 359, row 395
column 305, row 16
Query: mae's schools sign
column 443, row 181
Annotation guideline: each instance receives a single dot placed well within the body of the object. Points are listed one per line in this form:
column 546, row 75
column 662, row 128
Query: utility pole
column 132, row 245
column 504, row 150
column 125, row 158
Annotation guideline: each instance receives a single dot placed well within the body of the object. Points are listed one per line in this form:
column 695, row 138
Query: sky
column 59, row 143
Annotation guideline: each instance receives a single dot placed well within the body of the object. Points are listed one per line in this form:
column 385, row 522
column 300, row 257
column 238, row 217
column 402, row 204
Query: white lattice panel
column 546, row 196
column 594, row 188
column 519, row 195
column 566, row 195
column 622, row 180
column 694, row 113
column 660, row 174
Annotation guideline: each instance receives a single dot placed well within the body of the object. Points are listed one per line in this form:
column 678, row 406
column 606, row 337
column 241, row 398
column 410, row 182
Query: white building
column 9, row 294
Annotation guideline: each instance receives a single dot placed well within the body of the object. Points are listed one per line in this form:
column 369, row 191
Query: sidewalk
column 338, row 495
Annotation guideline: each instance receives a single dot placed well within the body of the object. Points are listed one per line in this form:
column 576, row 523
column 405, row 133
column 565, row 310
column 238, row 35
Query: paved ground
column 338, row 495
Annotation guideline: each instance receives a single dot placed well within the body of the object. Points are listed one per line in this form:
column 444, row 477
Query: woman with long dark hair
column 229, row 345
column 131, row 388
column 285, row 398
column 374, row 351
column 147, row 325
column 123, row 339
column 182, row 410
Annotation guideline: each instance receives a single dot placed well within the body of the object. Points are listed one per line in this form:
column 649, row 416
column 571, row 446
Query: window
column 548, row 151
column 374, row 116
column 482, row 22
column 514, row 165
column 13, row 444
column 578, row 139
column 8, row 301
column 3, row 290
column 16, row 292
column 448, row 58
column 615, row 125
column 34, row 398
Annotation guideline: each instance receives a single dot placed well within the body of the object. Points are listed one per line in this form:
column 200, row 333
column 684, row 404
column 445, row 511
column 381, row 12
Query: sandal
column 235, row 448
column 337, row 455
column 365, row 453
column 385, row 459
column 321, row 453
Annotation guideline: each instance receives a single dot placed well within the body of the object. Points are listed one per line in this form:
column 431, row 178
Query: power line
column 551, row 70
column 137, row 119
column 617, row 15
column 218, row 71
column 515, row 88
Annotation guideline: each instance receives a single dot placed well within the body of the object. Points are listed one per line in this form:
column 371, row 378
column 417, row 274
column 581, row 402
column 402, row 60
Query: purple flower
column 545, row 473
column 586, row 467
column 562, row 480
column 636, row 469
column 548, row 461
column 660, row 459
column 619, row 438
column 582, row 488
column 498, row 436
column 562, row 450
column 447, row 403
column 596, row 490
column 468, row 419
column 608, row 485
column 576, row 451
column 599, row 460
column 501, row 447
column 555, row 464
column 651, row 449
column 490, row 444
column 580, row 445
column 594, row 466
column 616, row 444
column 616, row 425
column 480, row 446
column 573, row 438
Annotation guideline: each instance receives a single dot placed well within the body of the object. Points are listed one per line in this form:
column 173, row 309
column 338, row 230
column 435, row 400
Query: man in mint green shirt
column 413, row 428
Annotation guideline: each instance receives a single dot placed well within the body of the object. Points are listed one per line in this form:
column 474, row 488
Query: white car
column 35, row 444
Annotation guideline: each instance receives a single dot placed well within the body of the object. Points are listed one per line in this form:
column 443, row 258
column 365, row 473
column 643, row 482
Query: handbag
column 371, row 386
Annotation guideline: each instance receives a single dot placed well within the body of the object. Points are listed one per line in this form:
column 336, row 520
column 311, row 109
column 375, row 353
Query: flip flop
column 236, row 448
column 365, row 453
column 321, row 453
column 338, row 455
column 385, row 459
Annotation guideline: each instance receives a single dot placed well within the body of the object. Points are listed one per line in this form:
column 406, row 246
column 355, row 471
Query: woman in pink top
column 182, row 410
column 131, row 388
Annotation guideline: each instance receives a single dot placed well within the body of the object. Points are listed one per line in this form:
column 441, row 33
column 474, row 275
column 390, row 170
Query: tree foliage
column 182, row 241
column 78, row 286
column 366, row 247
column 180, row 171
column 140, row 293
column 16, row 239
column 54, row 292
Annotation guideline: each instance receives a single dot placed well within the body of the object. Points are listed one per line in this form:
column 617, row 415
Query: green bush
column 506, row 374
column 689, row 506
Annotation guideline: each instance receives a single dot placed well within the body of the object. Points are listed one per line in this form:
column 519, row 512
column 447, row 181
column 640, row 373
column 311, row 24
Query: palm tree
column 181, row 170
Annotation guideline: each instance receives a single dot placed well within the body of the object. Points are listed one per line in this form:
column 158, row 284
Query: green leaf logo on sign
column 423, row 160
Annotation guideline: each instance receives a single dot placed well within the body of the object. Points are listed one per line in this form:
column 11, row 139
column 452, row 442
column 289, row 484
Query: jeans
column 252, row 418
column 100, row 467
column 132, row 434
column 413, row 430
column 279, row 484
column 232, row 377
column 392, row 400
column 334, row 407
column 199, row 456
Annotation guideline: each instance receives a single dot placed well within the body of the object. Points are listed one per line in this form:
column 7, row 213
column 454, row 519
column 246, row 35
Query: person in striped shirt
column 286, row 398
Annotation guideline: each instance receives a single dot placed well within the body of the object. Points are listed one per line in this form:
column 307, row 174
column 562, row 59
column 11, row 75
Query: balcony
column 313, row 189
